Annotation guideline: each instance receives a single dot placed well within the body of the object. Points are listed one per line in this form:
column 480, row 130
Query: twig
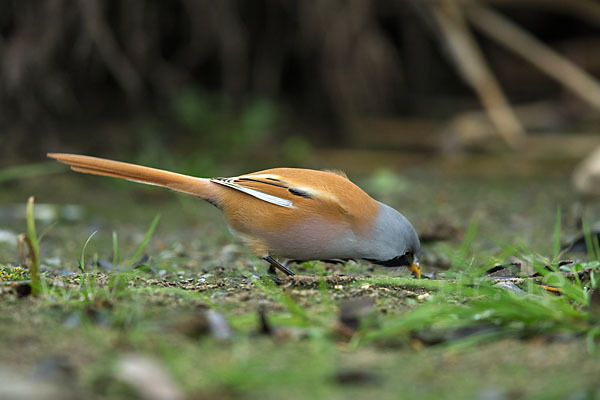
column 475, row 70
column 536, row 52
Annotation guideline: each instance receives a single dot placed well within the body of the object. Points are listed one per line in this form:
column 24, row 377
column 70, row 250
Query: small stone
column 423, row 297
column 508, row 285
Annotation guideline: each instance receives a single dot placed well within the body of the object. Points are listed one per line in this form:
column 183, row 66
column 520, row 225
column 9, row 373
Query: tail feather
column 200, row 187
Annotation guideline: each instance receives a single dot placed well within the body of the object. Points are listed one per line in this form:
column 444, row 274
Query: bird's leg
column 275, row 264
column 259, row 248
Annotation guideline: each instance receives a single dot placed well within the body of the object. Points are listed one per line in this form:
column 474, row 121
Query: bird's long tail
column 200, row 187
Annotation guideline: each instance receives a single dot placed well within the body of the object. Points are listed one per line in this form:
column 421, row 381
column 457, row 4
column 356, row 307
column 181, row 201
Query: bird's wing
column 255, row 188
column 277, row 190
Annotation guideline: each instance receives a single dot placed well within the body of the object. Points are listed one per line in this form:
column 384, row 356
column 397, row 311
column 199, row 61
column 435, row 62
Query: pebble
column 423, row 297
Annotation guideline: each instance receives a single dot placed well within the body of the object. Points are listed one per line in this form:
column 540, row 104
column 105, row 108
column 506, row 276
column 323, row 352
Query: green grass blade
column 557, row 228
column 459, row 260
column 587, row 235
column 556, row 279
column 144, row 243
column 115, row 246
column 275, row 293
column 34, row 270
column 48, row 229
column 81, row 261
column 596, row 246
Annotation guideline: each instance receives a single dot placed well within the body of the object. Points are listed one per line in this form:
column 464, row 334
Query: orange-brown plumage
column 287, row 212
column 334, row 198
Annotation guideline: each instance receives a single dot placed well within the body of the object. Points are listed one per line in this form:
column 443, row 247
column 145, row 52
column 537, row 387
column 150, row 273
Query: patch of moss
column 10, row 273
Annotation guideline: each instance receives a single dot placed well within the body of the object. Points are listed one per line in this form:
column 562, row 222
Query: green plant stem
column 115, row 244
column 82, row 259
column 34, row 269
column 557, row 228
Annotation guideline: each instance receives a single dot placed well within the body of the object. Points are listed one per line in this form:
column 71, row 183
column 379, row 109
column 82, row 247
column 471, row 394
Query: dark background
column 196, row 84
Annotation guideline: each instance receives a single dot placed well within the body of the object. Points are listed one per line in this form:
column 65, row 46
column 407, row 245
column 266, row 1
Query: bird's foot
column 275, row 264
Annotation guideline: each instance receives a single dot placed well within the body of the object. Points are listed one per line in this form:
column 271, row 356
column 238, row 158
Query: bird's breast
column 313, row 238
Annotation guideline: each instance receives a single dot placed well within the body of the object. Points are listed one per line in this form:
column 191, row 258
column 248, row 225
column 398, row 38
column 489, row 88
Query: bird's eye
column 407, row 252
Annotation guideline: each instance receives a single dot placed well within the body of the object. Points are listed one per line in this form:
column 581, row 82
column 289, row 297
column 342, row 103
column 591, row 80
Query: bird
column 287, row 213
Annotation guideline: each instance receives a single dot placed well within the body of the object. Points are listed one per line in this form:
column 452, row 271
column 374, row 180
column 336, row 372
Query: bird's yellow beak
column 415, row 270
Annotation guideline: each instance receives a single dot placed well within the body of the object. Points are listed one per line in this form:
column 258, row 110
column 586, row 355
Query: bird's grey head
column 393, row 242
